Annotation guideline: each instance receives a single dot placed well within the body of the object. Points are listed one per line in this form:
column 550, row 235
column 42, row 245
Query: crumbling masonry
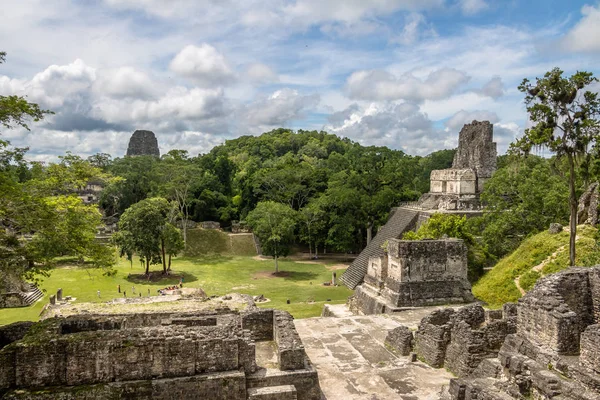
column 414, row 273
column 164, row 355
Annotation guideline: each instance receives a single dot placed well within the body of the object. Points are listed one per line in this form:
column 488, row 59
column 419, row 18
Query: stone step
column 32, row 296
column 283, row 392
column 400, row 221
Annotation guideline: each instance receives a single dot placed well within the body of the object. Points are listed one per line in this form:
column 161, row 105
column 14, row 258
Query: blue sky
column 401, row 73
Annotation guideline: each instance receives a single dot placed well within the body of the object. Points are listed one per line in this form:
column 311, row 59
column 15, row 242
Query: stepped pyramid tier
column 455, row 190
column 143, row 143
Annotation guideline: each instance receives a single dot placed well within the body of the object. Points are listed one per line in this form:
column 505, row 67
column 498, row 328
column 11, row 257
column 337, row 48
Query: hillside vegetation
column 212, row 241
column 538, row 255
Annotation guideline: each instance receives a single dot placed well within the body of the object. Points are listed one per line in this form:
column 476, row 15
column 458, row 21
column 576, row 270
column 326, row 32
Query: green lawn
column 217, row 275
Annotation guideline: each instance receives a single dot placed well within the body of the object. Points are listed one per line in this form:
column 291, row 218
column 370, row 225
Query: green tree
column 274, row 224
column 173, row 242
column 141, row 229
column 564, row 117
column 522, row 198
column 16, row 110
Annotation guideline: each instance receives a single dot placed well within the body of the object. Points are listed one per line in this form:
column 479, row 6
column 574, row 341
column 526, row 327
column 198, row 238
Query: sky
column 406, row 74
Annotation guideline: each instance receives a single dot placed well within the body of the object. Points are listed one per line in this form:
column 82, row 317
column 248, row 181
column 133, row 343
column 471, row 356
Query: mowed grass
column 498, row 286
column 215, row 274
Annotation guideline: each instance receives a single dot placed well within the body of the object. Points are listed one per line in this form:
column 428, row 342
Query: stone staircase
column 31, row 296
column 402, row 220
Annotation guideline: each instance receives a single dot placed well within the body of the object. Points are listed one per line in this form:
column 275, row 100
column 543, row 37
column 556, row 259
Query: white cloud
column 585, row 35
column 204, row 64
column 494, row 88
column 348, row 11
column 381, row 85
column 261, row 73
column 415, row 26
column 472, row 7
column 277, row 109
column 178, row 104
column 401, row 126
column 456, row 122
column 125, row 82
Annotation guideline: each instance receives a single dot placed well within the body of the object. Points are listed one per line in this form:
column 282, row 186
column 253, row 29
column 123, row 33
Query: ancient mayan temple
column 143, row 143
column 455, row 190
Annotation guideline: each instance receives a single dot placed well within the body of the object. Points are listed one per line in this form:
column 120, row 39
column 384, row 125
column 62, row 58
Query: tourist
column 98, row 294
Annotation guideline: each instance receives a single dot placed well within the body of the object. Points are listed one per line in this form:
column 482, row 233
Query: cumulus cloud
column 456, row 122
column 124, row 82
column 494, row 88
column 585, row 35
column 381, row 85
column 203, row 64
column 400, row 126
column 178, row 103
column 472, row 7
column 261, row 73
column 57, row 83
column 277, row 109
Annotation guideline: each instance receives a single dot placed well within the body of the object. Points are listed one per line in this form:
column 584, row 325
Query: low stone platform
column 353, row 362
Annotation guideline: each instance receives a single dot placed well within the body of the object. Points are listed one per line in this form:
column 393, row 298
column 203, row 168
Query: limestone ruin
column 14, row 292
column 414, row 273
column 143, row 143
column 455, row 190
column 555, row 352
column 196, row 349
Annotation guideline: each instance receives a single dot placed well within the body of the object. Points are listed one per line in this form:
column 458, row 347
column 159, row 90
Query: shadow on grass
column 295, row 276
column 157, row 277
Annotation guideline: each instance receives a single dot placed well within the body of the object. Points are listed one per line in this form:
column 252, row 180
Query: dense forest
column 342, row 191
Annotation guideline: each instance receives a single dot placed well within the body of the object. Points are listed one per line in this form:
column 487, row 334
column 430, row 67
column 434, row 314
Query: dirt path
column 540, row 266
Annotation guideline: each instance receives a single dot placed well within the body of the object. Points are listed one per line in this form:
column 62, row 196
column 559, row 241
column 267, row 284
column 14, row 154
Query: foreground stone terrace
column 353, row 362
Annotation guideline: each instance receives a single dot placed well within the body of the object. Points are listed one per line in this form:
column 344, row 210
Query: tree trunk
column 369, row 232
column 164, row 261
column 169, row 267
column 573, row 207
column 147, row 266
column 276, row 265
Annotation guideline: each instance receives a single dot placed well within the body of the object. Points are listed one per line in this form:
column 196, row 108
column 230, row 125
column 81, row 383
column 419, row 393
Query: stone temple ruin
column 143, row 143
column 202, row 349
column 555, row 350
column 414, row 273
column 432, row 272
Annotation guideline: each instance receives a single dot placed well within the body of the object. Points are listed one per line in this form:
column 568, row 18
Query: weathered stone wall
column 460, row 340
column 426, row 260
column 555, row 352
column 377, row 271
column 229, row 385
column 13, row 332
column 453, row 181
column 143, row 143
column 306, row 381
column 259, row 323
column 135, row 354
column 556, row 311
column 11, row 300
column 290, row 350
column 400, row 340
column 476, row 149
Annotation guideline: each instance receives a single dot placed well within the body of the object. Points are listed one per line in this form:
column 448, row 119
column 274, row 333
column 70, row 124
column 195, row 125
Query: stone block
column 433, row 336
column 259, row 323
column 283, row 392
column 400, row 340
column 590, row 348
